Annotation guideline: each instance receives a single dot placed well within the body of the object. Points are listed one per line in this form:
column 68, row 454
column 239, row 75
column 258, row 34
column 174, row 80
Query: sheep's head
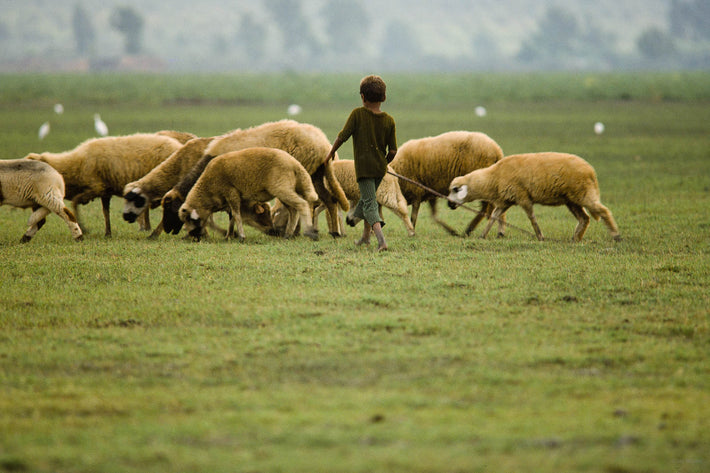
column 194, row 223
column 171, row 206
column 259, row 216
column 458, row 193
column 134, row 204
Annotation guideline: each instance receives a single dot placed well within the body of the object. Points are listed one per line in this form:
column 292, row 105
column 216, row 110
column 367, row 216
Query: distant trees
column 129, row 23
column 561, row 41
column 84, row 34
column 296, row 34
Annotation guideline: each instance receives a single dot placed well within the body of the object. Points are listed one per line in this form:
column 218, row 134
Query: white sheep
column 536, row 178
column 25, row 183
column 307, row 143
column 434, row 161
column 256, row 174
column 148, row 191
column 101, row 167
column 388, row 195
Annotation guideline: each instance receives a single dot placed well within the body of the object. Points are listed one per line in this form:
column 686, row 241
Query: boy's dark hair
column 373, row 89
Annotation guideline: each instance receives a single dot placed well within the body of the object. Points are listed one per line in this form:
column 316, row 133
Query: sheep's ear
column 461, row 192
column 259, row 209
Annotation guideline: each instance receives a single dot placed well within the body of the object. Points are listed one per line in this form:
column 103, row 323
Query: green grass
column 444, row 354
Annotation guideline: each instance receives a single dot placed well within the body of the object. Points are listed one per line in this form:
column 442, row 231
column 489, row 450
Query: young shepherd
column 536, row 178
column 101, row 167
column 388, row 194
column 25, row 183
column 434, row 161
column 307, row 143
column 257, row 174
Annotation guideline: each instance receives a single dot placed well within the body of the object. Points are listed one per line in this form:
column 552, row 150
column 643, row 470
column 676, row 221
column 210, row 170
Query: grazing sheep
column 536, row 178
column 434, row 161
column 25, row 183
column 307, row 143
column 256, row 174
column 255, row 214
column 101, row 167
column 147, row 192
column 389, row 195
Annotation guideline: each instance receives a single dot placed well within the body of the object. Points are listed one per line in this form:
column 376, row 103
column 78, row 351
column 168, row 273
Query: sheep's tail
column 335, row 186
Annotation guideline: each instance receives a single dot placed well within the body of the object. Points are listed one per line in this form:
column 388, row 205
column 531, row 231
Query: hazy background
column 353, row 35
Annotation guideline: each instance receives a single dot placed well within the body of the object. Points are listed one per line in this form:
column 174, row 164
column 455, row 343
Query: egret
column 99, row 125
column 480, row 111
column 43, row 130
column 58, row 108
column 598, row 128
column 294, row 109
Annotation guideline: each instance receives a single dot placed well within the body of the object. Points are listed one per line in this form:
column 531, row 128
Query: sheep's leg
column 331, row 207
column 495, row 215
column 583, row 218
column 35, row 222
column 600, row 210
column 402, row 214
column 299, row 210
column 444, row 225
column 528, row 208
column 485, row 211
column 55, row 203
column 106, row 206
column 158, row 230
column 144, row 221
column 230, row 228
column 415, row 212
column 236, row 218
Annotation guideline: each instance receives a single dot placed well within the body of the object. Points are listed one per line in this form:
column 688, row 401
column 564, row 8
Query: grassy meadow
column 443, row 354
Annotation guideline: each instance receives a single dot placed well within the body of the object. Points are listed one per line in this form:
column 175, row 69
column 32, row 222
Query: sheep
column 101, row 167
column 25, row 183
column 148, row 191
column 434, row 161
column 536, row 178
column 256, row 174
column 388, row 195
column 255, row 214
column 307, row 143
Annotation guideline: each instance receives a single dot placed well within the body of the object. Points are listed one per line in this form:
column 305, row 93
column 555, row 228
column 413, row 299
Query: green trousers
column 367, row 207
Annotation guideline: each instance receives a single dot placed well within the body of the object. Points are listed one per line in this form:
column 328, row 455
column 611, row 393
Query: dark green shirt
column 373, row 136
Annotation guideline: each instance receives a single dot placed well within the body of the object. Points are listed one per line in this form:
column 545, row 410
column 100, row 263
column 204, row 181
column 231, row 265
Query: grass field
column 444, row 354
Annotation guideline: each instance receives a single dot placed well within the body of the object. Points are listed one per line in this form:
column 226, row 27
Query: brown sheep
column 536, row 178
column 307, row 143
column 25, row 183
column 252, row 174
column 101, row 167
column 434, row 161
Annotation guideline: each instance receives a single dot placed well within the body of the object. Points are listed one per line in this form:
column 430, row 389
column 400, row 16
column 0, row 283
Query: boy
column 374, row 146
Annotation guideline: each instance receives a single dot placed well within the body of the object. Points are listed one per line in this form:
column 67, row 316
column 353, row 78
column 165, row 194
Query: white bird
column 598, row 128
column 43, row 131
column 58, row 108
column 481, row 111
column 99, row 125
column 294, row 109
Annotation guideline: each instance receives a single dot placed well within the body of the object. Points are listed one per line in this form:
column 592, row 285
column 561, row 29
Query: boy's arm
column 336, row 144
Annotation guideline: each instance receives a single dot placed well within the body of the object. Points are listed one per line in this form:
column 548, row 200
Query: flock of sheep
column 242, row 171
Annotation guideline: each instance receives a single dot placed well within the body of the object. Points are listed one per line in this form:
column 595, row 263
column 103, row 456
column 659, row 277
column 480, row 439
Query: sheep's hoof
column 79, row 238
column 336, row 234
column 617, row 238
column 25, row 239
column 501, row 235
column 312, row 234
column 350, row 221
